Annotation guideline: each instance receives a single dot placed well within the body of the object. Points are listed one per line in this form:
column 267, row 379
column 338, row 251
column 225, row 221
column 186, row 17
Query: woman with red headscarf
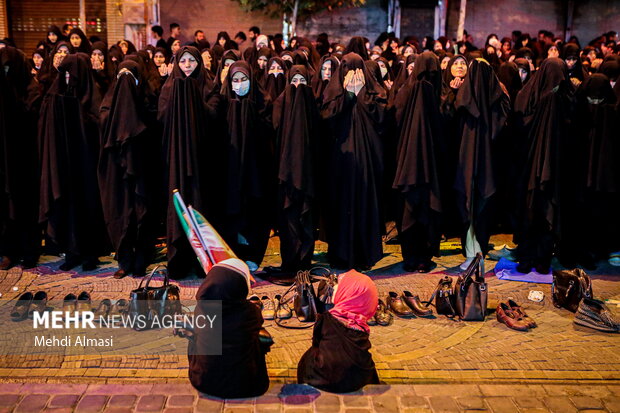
column 339, row 360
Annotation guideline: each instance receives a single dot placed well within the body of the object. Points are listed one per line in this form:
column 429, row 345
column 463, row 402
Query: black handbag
column 148, row 305
column 308, row 303
column 569, row 288
column 472, row 293
column 443, row 297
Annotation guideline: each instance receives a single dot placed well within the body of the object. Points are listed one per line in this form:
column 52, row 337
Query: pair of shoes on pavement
column 595, row 314
column 269, row 307
column 503, row 252
column 382, row 316
column 407, row 305
column 514, row 316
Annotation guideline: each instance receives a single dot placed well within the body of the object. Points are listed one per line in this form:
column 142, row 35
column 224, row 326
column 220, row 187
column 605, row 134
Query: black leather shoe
column 426, row 266
column 20, row 310
column 413, row 301
column 83, row 302
column 69, row 304
column 524, row 267
column 69, row 264
column 6, row 263
column 397, row 305
column 39, row 303
column 90, row 264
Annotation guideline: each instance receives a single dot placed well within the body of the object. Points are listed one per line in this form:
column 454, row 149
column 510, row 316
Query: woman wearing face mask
column 576, row 72
column 599, row 184
column 416, row 179
column 186, row 91
column 78, row 40
column 386, row 72
column 126, row 172
column 250, row 188
column 482, row 108
column 354, row 104
column 524, row 67
column 275, row 78
column 544, row 106
column 295, row 120
column 339, row 359
column 20, row 237
column 70, row 204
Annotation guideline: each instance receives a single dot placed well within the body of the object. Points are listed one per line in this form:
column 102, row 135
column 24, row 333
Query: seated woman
column 240, row 371
column 339, row 360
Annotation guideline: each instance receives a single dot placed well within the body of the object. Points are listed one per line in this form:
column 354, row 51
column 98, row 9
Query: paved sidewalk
column 178, row 398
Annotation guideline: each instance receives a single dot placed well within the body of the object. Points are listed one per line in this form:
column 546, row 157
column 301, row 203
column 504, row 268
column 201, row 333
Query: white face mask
column 383, row 71
column 241, row 88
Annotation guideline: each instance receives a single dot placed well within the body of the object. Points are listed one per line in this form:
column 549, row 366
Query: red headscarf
column 355, row 300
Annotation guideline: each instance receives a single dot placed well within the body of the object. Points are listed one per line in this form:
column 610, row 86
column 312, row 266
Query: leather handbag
column 569, row 288
column 308, row 303
column 471, row 292
column 443, row 298
column 149, row 304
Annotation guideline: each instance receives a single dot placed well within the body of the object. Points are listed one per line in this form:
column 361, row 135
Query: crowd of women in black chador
column 439, row 137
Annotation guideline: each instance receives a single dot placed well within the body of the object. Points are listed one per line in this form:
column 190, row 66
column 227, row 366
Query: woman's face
column 393, row 44
column 462, row 49
column 288, row 57
column 61, row 53
column 262, row 62
column 444, row 62
column 490, row 50
column 52, row 37
column 98, row 54
column 221, row 41
column 459, row 68
column 437, row 45
column 591, row 55
column 506, row 47
column 206, row 60
column 326, row 70
column 522, row 74
column 188, row 63
column 408, row 51
column 240, row 83
column 124, row 47
column 38, row 60
column 298, row 80
column 75, row 40
column 571, row 61
column 382, row 68
column 176, row 45
column 553, row 52
column 159, row 59
column 275, row 69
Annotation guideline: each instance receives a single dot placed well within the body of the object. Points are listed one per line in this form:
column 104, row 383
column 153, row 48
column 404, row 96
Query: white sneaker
column 466, row 264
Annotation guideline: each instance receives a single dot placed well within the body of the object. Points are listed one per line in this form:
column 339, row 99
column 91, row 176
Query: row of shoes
column 29, row 303
column 269, row 307
column 514, row 316
column 593, row 313
column 405, row 305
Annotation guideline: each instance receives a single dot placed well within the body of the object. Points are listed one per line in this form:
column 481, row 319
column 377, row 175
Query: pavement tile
column 586, row 402
column 9, row 400
column 385, row 403
column 355, row 401
column 209, row 405
column 122, row 400
column 178, row 410
column 127, row 388
column 501, row 404
column 10, row 387
column 181, row 400
column 471, row 403
column 238, row 409
column 151, row 403
column 326, row 403
column 559, row 404
column 91, row 403
column 441, row 404
column 529, row 402
column 64, row 400
column 413, row 402
column 612, row 403
column 32, row 403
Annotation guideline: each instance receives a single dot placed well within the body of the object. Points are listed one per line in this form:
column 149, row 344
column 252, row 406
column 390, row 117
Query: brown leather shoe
column 383, row 317
column 521, row 312
column 397, row 305
column 6, row 263
column 506, row 316
column 120, row 274
column 413, row 301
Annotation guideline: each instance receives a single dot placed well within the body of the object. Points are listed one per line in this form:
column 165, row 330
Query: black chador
column 482, row 107
column 250, row 173
column 20, row 237
column 183, row 112
column 545, row 107
column 127, row 170
column 295, row 118
column 355, row 112
column 418, row 164
column 69, row 138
